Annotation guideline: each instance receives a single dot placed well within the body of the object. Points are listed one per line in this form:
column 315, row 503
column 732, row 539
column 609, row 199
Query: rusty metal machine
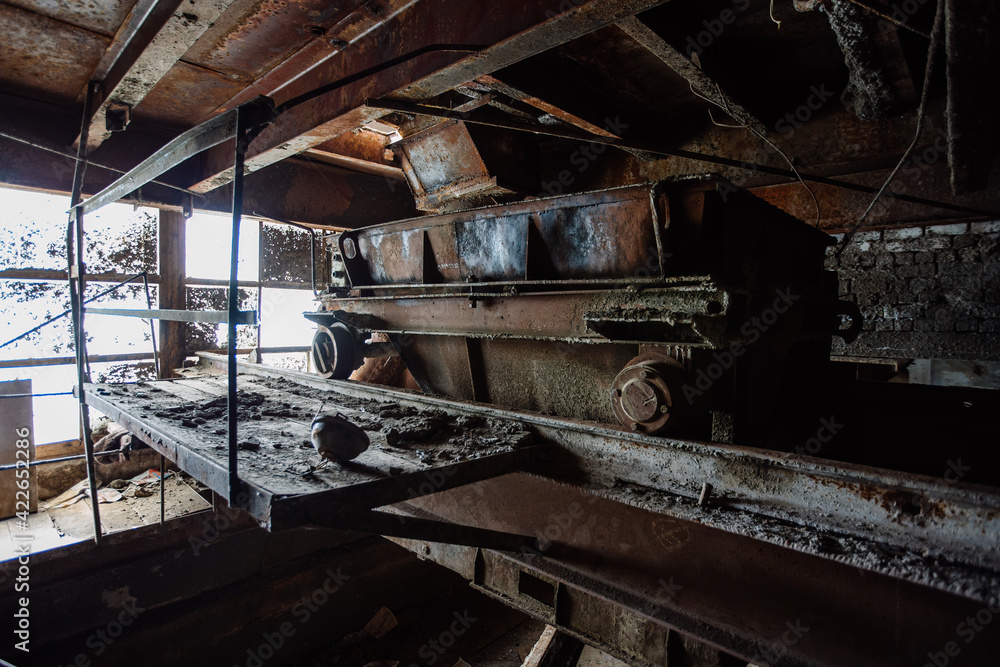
column 685, row 308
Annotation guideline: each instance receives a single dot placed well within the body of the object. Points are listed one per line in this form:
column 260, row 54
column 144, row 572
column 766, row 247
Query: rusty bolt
column 643, row 374
column 635, row 426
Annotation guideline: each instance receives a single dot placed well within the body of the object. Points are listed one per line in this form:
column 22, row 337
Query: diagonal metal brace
column 335, row 505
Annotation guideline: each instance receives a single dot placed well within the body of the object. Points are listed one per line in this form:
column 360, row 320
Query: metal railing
column 242, row 124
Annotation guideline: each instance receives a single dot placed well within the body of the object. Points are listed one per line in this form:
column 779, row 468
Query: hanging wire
column 921, row 110
column 32, row 144
column 757, row 133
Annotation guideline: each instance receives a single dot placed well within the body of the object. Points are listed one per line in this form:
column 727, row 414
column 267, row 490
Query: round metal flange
column 647, row 395
column 334, row 351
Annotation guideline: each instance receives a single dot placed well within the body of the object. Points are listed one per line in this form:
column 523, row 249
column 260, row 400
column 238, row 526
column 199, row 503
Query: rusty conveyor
column 435, row 444
column 635, row 507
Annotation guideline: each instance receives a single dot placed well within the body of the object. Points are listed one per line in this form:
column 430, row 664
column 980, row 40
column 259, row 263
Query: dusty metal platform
column 413, row 451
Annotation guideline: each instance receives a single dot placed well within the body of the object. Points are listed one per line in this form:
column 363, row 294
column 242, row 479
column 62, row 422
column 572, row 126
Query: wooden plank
column 185, row 390
column 55, row 450
column 16, row 428
column 172, row 291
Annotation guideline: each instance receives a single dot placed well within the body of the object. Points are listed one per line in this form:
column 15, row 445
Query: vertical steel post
column 163, row 481
column 260, row 285
column 77, row 295
column 152, row 326
column 241, row 147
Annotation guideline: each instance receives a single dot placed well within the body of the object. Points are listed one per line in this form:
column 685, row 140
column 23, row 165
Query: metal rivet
column 664, row 409
column 635, row 426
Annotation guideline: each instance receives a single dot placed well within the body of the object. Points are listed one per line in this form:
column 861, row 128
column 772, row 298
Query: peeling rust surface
column 100, row 16
column 253, row 38
column 45, row 59
column 170, row 102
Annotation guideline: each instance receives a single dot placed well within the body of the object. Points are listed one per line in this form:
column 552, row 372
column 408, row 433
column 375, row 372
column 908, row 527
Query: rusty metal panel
column 172, row 102
column 103, row 17
column 607, row 234
column 442, row 164
column 694, row 314
column 559, row 378
column 252, row 38
column 496, row 251
column 45, row 59
column 394, row 258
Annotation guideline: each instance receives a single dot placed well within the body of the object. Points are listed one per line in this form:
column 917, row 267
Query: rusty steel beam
column 168, row 29
column 509, row 33
column 541, row 105
column 680, row 315
column 298, row 190
column 703, row 84
column 355, row 164
column 621, row 575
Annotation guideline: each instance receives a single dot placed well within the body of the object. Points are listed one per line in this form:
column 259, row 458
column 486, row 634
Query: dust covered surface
column 275, row 416
column 868, row 557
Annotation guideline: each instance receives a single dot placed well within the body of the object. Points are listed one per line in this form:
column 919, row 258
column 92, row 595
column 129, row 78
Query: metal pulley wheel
column 334, row 351
column 647, row 395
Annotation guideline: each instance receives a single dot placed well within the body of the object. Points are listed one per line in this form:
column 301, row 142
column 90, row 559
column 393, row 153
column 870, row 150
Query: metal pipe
column 81, row 338
column 163, row 478
column 152, row 328
column 231, row 402
column 60, row 459
column 56, row 393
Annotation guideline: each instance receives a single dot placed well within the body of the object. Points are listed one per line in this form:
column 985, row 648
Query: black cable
column 921, row 109
column 91, row 163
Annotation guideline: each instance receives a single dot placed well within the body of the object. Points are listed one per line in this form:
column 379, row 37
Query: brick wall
column 926, row 292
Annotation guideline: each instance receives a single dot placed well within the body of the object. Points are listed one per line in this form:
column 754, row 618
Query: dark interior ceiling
column 835, row 87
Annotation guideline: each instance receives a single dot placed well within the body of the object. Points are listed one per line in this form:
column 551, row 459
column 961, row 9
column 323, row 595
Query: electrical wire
column 760, row 135
column 32, row 144
column 921, row 110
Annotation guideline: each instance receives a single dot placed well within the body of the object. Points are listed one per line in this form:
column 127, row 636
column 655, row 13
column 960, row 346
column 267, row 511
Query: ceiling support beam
column 542, row 105
column 155, row 37
column 514, row 32
column 699, row 81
